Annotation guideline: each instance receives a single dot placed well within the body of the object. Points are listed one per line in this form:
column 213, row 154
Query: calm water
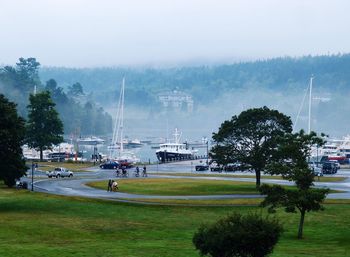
column 156, row 135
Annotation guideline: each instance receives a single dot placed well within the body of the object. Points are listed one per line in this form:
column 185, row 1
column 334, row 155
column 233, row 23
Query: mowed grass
column 34, row 224
column 173, row 186
column 77, row 167
column 317, row 179
column 182, row 186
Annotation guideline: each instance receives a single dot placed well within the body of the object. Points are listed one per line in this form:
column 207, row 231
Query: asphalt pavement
column 76, row 186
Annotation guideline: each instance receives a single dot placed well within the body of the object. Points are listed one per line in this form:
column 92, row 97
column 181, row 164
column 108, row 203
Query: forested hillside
column 218, row 92
column 80, row 115
column 207, row 83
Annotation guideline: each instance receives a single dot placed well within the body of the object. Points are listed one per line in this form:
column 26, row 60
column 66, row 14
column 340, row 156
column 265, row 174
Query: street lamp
column 95, row 153
column 207, row 144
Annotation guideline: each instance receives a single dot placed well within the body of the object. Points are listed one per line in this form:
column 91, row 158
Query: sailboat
column 116, row 148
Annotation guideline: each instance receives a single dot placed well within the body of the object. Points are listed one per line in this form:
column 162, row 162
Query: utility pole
column 32, row 176
column 207, row 142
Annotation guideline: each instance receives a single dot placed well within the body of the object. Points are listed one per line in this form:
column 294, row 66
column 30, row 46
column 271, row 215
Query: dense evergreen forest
column 206, row 83
column 80, row 115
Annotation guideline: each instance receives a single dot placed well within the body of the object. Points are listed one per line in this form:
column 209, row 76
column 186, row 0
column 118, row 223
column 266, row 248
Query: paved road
column 77, row 187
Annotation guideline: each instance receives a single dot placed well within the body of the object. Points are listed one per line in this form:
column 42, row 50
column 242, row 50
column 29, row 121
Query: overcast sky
column 85, row 33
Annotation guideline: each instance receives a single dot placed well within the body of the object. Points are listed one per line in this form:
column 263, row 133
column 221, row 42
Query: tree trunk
column 258, row 176
column 301, row 224
column 41, row 154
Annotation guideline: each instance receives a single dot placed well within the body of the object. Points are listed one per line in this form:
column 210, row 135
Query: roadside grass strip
column 198, row 174
column 218, row 202
column 76, row 167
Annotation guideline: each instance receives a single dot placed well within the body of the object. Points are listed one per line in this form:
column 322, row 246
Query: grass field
column 76, row 167
column 182, row 186
column 173, row 186
column 320, row 179
column 34, row 224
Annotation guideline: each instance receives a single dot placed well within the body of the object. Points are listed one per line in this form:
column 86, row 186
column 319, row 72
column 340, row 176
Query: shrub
column 251, row 235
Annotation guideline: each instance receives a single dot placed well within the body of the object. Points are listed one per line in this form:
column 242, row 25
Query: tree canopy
column 293, row 151
column 12, row 132
column 250, row 138
column 44, row 127
column 18, row 83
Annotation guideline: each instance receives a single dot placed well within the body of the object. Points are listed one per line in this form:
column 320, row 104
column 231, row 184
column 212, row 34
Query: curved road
column 77, row 187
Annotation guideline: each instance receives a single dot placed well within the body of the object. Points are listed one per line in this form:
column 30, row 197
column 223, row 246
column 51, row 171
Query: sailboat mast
column 310, row 102
column 116, row 127
column 122, row 119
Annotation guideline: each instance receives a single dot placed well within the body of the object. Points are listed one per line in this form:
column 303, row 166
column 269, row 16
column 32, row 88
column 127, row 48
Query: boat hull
column 164, row 156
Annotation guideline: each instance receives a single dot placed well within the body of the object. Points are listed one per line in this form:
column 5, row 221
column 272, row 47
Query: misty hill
column 80, row 115
column 200, row 97
column 218, row 92
column 207, row 83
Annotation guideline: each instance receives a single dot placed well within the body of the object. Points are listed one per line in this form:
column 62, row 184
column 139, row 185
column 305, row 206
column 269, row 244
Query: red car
column 127, row 164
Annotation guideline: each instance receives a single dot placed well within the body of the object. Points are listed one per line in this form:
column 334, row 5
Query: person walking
column 114, row 185
column 144, row 172
column 109, row 188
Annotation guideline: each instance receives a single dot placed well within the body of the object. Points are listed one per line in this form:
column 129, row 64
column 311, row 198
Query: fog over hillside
column 328, row 116
column 218, row 92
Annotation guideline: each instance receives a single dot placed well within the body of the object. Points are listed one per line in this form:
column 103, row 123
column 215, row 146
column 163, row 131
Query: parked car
column 316, row 170
column 109, row 165
column 21, row 184
column 214, row 166
column 232, row 166
column 127, row 164
column 337, row 164
column 329, row 168
column 59, row 172
column 202, row 167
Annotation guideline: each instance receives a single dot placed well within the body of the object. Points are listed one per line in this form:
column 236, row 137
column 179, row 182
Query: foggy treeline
column 218, row 93
column 80, row 115
column 222, row 91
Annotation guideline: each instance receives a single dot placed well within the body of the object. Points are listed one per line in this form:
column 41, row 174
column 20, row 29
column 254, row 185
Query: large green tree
column 250, row 138
column 293, row 152
column 44, row 127
column 20, row 80
column 12, row 132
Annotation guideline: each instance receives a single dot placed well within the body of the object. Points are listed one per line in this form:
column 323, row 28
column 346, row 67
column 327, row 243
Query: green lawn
column 34, row 224
column 182, row 186
column 173, row 186
column 76, row 167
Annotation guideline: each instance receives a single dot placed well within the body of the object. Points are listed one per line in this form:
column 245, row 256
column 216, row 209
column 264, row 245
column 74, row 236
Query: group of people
column 144, row 172
column 112, row 186
column 122, row 171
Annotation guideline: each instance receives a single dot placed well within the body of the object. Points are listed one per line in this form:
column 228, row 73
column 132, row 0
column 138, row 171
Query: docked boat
column 333, row 149
column 174, row 151
column 60, row 152
column 116, row 148
column 90, row 140
column 134, row 143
